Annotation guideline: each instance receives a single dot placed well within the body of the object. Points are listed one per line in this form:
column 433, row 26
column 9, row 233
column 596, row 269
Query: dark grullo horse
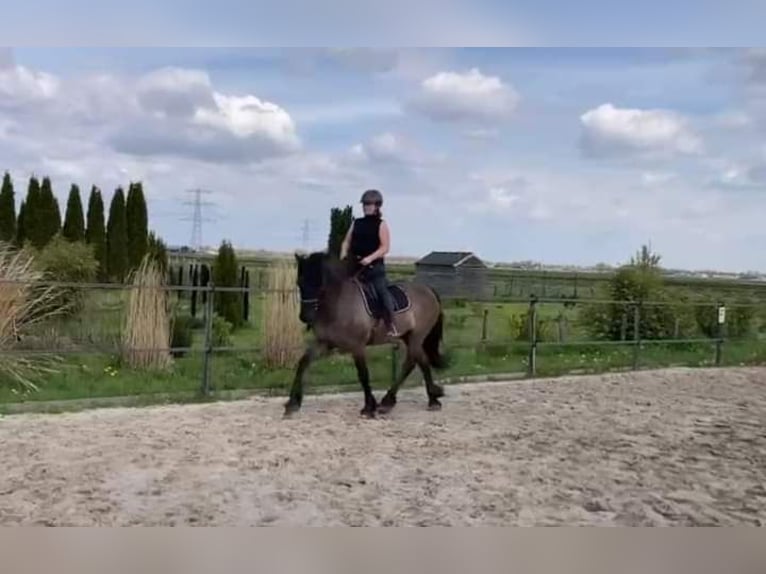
column 342, row 314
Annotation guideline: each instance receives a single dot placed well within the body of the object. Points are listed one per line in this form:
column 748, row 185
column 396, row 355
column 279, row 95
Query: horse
column 341, row 311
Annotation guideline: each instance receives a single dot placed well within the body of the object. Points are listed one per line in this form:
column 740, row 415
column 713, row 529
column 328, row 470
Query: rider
column 368, row 241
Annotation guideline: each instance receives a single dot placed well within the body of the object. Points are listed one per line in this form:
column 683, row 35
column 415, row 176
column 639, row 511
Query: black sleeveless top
column 365, row 236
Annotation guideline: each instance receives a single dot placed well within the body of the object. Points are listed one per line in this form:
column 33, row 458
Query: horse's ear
column 298, row 257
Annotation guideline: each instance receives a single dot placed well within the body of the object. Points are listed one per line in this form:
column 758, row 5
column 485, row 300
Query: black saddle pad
column 374, row 305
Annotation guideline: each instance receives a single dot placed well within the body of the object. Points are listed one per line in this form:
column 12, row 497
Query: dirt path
column 676, row 447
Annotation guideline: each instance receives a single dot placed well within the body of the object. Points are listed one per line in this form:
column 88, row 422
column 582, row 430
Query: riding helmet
column 372, row 196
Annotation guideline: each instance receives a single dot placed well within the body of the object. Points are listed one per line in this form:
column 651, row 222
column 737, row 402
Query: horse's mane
column 334, row 271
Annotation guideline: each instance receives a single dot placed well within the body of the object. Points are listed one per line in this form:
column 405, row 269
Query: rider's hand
column 365, row 261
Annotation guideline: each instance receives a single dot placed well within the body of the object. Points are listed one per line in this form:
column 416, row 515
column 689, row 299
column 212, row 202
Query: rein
column 354, row 277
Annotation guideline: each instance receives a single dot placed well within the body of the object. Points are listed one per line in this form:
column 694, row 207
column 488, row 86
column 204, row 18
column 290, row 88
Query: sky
column 559, row 155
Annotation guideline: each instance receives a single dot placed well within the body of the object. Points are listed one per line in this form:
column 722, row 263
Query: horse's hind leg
column 370, row 404
column 434, row 390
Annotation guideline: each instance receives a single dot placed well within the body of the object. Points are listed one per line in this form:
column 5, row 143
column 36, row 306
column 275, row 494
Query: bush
column 638, row 283
column 221, row 332
column 520, row 325
column 740, row 320
column 182, row 334
column 21, row 307
column 146, row 334
column 226, row 274
column 283, row 331
column 158, row 251
column 70, row 262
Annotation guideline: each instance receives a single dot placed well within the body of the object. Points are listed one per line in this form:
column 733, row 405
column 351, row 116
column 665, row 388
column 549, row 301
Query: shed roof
column 446, row 258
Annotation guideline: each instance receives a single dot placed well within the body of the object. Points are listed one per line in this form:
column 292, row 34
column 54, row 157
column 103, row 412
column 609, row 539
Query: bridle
column 314, row 301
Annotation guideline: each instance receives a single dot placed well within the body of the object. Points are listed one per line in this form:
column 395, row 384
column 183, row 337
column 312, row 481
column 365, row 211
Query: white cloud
column 469, row 96
column 20, row 86
column 654, row 178
column 502, row 197
column 608, row 130
column 181, row 114
column 388, row 148
column 247, row 116
column 175, row 91
column 482, row 134
column 166, row 112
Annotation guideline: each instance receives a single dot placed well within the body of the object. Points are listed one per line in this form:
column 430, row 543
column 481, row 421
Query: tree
column 95, row 233
column 158, row 251
column 340, row 222
column 51, row 214
column 7, row 210
column 20, row 230
column 138, row 224
column 34, row 219
column 70, row 262
column 636, row 288
column 117, row 238
column 74, row 222
column 225, row 274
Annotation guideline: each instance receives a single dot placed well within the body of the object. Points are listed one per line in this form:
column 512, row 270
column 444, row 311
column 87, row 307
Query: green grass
column 100, row 376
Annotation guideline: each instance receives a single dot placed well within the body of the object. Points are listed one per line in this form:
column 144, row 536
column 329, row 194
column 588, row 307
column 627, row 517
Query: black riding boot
column 388, row 319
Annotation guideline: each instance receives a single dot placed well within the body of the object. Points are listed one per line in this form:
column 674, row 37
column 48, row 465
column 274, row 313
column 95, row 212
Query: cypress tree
column 34, row 215
column 117, row 238
column 340, row 222
column 180, row 281
column 138, row 224
column 74, row 222
column 194, row 282
column 7, row 210
column 95, row 233
column 225, row 274
column 204, row 280
column 158, row 251
column 51, row 214
column 20, row 231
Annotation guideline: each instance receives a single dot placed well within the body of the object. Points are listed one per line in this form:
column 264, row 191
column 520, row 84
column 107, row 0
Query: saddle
column 374, row 305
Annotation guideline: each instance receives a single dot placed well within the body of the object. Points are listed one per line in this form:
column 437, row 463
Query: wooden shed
column 459, row 274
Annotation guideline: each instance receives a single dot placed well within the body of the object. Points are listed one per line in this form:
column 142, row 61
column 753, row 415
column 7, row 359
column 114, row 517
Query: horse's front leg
column 312, row 352
column 370, row 404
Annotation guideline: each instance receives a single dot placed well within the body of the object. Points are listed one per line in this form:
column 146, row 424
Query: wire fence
column 525, row 326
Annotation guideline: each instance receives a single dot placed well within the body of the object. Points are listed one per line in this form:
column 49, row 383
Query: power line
column 197, row 218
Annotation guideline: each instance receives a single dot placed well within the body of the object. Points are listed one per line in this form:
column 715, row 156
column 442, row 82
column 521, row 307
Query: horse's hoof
column 367, row 413
column 290, row 410
column 387, row 404
column 434, row 405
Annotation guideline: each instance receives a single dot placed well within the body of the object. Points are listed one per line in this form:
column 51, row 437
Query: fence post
column 636, row 334
column 484, row 325
column 721, row 320
column 533, row 336
column 208, row 351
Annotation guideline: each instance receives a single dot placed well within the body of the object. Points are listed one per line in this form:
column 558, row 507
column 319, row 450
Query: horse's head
column 309, row 281
column 316, row 272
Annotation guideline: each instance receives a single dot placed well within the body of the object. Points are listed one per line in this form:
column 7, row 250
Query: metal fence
column 529, row 309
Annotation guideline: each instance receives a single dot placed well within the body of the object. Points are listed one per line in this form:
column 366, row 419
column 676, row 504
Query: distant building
column 457, row 274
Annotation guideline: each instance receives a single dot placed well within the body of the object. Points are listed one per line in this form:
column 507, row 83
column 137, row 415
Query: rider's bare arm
column 385, row 242
column 346, row 242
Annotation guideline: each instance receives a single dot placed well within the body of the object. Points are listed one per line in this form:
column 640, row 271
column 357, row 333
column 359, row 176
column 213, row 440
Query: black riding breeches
column 376, row 275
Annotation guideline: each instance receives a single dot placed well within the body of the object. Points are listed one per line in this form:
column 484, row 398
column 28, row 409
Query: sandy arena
column 674, row 447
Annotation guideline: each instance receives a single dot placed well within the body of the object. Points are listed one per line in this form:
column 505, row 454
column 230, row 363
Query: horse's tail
column 431, row 343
